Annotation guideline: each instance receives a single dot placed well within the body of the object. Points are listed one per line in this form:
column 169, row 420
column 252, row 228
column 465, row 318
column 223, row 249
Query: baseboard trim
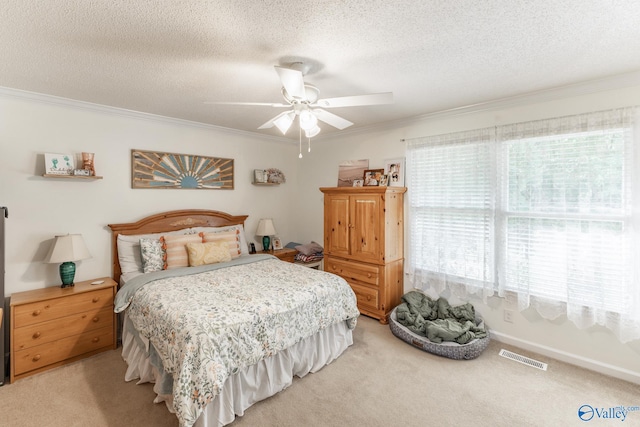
column 574, row 359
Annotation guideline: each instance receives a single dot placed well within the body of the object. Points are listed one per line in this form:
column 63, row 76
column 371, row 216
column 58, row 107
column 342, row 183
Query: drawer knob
column 36, row 313
column 36, row 335
column 96, row 299
column 95, row 319
column 95, row 340
column 36, row 358
column 369, row 275
column 368, row 297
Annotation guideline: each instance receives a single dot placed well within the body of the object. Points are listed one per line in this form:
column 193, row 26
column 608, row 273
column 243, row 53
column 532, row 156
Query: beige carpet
column 379, row 381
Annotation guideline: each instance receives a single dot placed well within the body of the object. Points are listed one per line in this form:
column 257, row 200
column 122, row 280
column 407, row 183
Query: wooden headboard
column 169, row 221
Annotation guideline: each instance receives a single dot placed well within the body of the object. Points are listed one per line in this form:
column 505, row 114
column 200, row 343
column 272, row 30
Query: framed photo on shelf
column 59, row 164
column 372, row 177
column 260, row 176
column 277, row 244
column 358, row 182
column 384, row 180
column 394, row 169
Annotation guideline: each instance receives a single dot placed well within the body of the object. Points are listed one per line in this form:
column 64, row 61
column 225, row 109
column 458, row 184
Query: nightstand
column 54, row 326
column 284, row 254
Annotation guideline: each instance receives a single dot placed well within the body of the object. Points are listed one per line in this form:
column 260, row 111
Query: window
column 542, row 209
column 452, row 214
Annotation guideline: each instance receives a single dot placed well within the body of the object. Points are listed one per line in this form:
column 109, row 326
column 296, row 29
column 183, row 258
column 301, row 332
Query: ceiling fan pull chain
column 300, row 142
column 309, row 144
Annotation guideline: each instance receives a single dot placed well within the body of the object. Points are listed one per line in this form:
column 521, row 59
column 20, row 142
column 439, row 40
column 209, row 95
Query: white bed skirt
column 254, row 383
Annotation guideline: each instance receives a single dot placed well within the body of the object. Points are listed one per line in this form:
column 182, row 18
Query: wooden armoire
column 364, row 243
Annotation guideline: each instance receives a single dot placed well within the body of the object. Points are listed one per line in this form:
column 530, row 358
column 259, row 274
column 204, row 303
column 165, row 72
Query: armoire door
column 365, row 236
column 336, row 225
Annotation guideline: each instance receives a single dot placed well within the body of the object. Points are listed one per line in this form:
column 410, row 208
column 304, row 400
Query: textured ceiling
column 168, row 57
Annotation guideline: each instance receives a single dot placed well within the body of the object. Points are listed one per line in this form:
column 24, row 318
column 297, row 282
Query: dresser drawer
column 351, row 270
column 53, row 330
column 42, row 311
column 367, row 297
column 48, row 353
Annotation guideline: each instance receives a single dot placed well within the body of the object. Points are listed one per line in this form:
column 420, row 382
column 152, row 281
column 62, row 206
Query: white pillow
column 129, row 252
column 244, row 247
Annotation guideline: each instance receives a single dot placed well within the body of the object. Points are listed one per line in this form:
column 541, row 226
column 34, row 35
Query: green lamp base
column 67, row 273
column 266, row 243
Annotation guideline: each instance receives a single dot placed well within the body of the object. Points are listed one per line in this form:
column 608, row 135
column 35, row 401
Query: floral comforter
column 208, row 326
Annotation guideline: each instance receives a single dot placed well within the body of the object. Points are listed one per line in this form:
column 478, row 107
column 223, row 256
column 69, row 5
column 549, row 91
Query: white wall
column 40, row 208
column 594, row 348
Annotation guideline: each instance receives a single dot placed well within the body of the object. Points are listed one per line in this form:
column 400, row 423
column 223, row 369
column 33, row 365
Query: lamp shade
column 265, row 227
column 69, row 247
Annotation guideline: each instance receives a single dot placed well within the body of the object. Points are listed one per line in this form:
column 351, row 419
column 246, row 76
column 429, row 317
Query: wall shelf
column 48, row 175
column 265, row 183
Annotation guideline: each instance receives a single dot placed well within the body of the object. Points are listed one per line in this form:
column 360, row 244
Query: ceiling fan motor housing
column 311, row 95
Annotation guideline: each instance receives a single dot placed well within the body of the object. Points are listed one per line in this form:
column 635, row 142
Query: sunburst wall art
column 151, row 169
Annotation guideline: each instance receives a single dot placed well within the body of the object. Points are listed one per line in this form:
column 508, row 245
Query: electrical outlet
column 508, row 316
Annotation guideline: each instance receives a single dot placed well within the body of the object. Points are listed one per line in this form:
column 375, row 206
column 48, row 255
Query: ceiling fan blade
column 357, row 100
column 259, row 104
column 331, row 119
column 292, row 81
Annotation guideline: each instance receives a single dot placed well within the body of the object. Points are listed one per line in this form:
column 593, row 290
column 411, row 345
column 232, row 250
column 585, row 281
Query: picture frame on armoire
column 394, row 169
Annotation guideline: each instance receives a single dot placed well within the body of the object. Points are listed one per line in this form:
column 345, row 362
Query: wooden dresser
column 364, row 243
column 284, row 254
column 54, row 326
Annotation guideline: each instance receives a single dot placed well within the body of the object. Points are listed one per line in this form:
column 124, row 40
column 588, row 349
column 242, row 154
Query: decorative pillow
column 231, row 238
column 207, row 253
column 309, row 248
column 129, row 252
column 153, row 256
column 244, row 246
column 176, row 250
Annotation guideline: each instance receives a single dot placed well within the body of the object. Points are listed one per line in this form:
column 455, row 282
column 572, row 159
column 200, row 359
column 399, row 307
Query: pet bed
column 452, row 350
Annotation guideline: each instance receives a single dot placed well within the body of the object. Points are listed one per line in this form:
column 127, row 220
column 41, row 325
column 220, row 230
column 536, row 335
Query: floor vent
column 522, row 359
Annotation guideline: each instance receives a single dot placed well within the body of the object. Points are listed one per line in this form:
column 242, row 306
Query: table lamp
column 266, row 230
column 67, row 249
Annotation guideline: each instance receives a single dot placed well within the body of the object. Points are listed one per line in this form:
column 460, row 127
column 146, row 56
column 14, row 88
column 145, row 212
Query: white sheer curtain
column 548, row 210
column 567, row 229
column 451, row 212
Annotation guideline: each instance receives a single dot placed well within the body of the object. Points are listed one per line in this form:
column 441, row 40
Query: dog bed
column 452, row 350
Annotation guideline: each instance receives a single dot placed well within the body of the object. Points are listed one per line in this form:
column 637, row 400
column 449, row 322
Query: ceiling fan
column 303, row 102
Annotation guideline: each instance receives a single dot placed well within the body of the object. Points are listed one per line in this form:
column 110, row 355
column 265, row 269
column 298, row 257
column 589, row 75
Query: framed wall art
column 153, row 169
column 59, row 164
column 394, row 169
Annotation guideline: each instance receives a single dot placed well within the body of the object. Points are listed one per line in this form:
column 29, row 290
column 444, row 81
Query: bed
column 219, row 336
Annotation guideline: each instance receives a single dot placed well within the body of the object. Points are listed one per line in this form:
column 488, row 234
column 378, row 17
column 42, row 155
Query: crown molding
column 6, row 92
column 575, row 89
column 619, row 81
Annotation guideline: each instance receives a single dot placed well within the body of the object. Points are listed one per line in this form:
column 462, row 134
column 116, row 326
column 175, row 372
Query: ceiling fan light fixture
column 308, row 120
column 312, row 132
column 284, row 122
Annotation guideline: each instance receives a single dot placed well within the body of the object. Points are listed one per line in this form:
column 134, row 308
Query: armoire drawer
column 367, row 297
column 351, row 270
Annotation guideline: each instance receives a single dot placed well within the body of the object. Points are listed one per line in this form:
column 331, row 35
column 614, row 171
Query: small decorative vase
column 87, row 162
column 266, row 243
column 67, row 273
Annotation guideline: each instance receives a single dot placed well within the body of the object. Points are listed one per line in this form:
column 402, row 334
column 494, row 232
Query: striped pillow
column 176, row 250
column 231, row 238
column 207, row 253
